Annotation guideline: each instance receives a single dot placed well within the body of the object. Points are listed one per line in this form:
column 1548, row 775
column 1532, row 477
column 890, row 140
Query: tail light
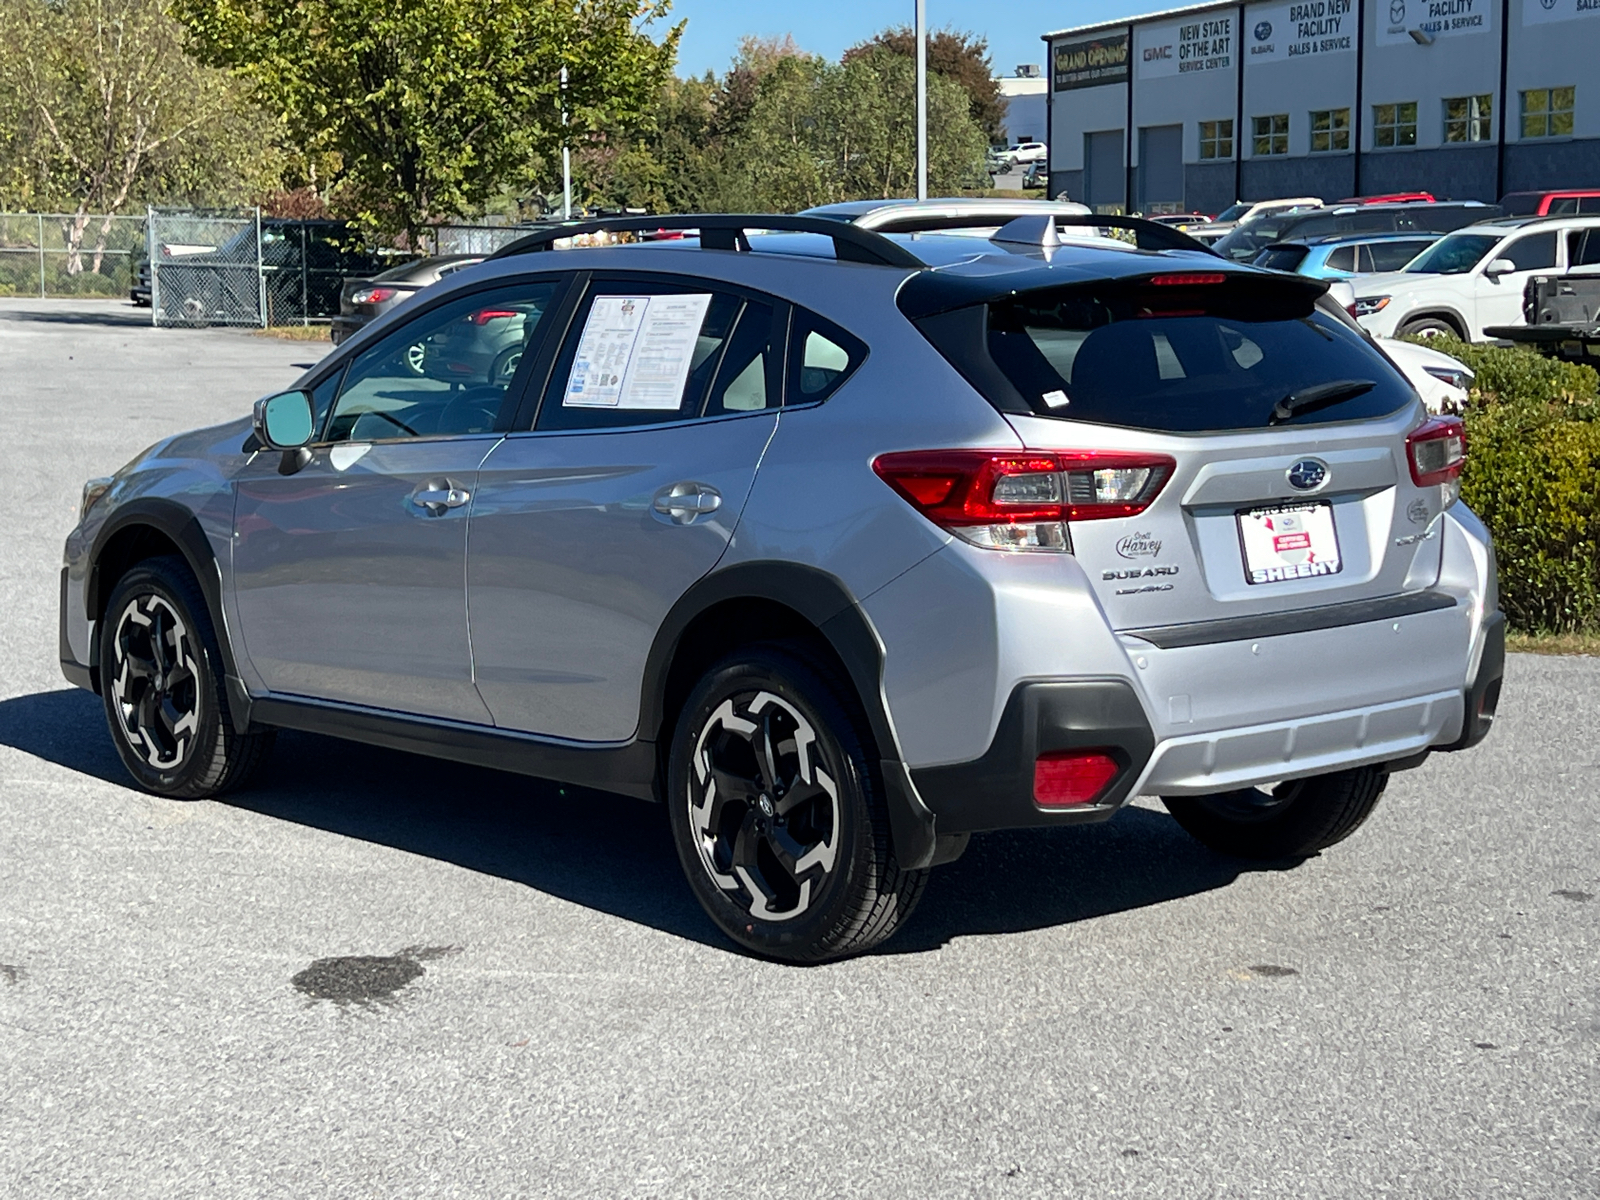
column 1067, row 778
column 1436, row 451
column 1024, row 499
column 373, row 295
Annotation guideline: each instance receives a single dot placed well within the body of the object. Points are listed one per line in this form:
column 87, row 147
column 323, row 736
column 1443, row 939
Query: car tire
column 777, row 811
column 505, row 366
column 1428, row 327
column 1296, row 819
column 162, row 680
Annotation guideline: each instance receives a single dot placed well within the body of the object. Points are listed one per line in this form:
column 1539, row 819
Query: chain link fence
column 474, row 239
column 68, row 254
column 205, row 267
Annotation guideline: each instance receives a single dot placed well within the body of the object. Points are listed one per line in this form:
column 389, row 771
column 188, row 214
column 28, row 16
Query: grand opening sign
column 1091, row 62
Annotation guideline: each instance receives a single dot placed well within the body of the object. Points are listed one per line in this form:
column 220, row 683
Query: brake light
column 1066, row 778
column 491, row 314
column 1023, row 500
column 1437, row 451
column 373, row 295
column 1188, row 279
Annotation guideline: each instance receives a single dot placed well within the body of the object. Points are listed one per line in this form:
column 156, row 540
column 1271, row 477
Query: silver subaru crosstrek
column 845, row 545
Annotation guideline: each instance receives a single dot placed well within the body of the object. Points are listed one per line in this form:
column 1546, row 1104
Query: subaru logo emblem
column 1263, row 30
column 1308, row 474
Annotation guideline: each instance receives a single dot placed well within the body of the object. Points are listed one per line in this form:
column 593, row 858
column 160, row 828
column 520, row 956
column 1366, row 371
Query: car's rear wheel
column 779, row 821
column 1292, row 819
column 162, row 682
column 1428, row 327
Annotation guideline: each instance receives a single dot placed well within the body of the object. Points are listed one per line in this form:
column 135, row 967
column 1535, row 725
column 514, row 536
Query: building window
column 1270, row 135
column 1330, row 130
column 1216, row 139
column 1394, row 124
column 1547, row 112
column 1466, row 119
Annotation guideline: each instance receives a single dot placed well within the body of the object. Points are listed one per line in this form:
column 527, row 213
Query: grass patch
column 294, row 333
column 1553, row 643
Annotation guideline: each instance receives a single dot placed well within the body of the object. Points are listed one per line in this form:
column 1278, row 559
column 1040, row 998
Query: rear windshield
column 1112, row 355
column 1281, row 258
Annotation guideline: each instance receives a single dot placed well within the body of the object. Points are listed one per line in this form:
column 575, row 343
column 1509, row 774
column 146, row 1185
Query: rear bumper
column 996, row 791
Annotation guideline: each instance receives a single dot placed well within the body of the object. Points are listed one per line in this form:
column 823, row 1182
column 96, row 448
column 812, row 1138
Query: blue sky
column 827, row 27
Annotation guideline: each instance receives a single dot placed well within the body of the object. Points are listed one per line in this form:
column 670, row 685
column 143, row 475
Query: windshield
column 1454, row 255
column 1233, row 212
column 1248, row 240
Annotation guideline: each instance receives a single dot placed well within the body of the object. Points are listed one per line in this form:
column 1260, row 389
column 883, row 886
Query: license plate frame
column 1275, row 550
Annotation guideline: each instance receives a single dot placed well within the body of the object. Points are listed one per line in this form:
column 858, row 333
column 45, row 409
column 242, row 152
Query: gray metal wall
column 1302, row 58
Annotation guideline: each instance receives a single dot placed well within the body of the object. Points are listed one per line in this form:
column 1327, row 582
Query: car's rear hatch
column 1273, row 435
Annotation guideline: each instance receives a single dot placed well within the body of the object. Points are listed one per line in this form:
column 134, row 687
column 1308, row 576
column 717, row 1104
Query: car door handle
column 683, row 502
column 439, row 498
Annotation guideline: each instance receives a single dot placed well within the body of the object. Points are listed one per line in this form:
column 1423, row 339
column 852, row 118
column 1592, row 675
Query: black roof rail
column 1148, row 235
column 728, row 231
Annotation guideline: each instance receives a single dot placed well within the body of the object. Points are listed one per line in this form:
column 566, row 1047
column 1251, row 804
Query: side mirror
column 284, row 421
column 1499, row 267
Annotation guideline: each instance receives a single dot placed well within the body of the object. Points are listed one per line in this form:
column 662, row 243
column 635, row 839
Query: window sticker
column 635, row 352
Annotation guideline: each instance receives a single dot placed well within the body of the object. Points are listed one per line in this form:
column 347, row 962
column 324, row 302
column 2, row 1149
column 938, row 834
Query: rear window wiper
column 1320, row 396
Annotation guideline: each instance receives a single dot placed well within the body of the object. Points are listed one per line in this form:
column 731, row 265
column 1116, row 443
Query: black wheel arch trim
column 1482, row 697
column 822, row 600
column 181, row 526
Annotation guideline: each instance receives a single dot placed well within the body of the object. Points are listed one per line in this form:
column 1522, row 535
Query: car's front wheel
column 1428, row 327
column 779, row 822
column 1292, row 819
column 162, row 682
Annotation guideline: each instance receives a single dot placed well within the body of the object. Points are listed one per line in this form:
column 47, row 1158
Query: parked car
column 1184, row 221
column 298, row 267
column 959, row 215
column 1044, row 525
column 1562, row 315
column 1022, row 153
column 1443, row 382
column 1343, row 256
column 1577, row 201
column 1475, row 277
column 1392, row 198
column 1239, row 213
column 364, row 300
column 1249, row 239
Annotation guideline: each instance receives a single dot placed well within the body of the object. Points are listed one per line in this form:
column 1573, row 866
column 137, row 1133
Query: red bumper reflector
column 1064, row 778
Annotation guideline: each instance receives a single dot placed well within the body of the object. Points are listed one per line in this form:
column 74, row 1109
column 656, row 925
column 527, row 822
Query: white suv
column 1475, row 277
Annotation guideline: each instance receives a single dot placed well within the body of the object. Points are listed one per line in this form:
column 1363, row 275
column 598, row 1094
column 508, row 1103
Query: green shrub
column 1533, row 475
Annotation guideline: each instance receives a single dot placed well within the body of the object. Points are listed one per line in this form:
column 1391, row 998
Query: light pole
column 566, row 154
column 922, row 100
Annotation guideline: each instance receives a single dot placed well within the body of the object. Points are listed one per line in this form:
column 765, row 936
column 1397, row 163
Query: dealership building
column 1193, row 108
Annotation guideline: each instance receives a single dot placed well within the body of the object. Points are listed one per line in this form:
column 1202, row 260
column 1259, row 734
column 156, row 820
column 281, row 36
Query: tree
column 105, row 108
column 432, row 106
column 961, row 58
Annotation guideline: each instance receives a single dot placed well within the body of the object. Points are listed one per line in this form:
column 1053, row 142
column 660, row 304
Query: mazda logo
column 1308, row 474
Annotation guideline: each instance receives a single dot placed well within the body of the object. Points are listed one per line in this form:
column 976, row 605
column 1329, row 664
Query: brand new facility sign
column 1435, row 18
column 1300, row 30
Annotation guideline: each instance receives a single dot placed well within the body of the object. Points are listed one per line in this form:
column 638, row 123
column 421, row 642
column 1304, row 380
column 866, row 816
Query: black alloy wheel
column 162, row 682
column 779, row 824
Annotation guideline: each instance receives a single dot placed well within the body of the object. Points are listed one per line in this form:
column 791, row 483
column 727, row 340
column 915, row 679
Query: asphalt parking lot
column 1100, row 1011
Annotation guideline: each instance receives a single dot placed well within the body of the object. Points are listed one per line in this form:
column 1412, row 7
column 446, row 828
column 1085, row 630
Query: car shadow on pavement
column 128, row 316
column 615, row 854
